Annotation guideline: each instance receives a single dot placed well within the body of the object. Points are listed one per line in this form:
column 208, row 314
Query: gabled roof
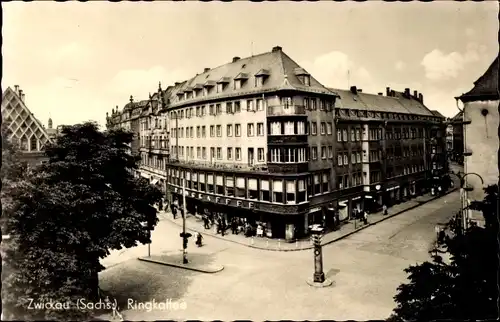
column 486, row 87
column 380, row 103
column 276, row 65
column 436, row 113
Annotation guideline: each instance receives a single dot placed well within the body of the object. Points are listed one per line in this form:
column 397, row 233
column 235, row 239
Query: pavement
column 365, row 268
column 195, row 224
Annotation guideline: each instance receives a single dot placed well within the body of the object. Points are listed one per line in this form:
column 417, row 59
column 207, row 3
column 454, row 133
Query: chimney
column 381, row 94
column 23, row 98
column 388, row 91
column 360, row 90
column 407, row 92
column 206, row 70
column 235, row 59
column 16, row 89
column 421, row 98
column 415, row 94
column 277, row 48
column 354, row 90
column 177, row 83
column 20, row 94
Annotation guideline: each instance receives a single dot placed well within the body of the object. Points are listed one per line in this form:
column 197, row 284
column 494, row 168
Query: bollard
column 251, row 241
column 267, row 243
column 279, row 243
column 296, row 244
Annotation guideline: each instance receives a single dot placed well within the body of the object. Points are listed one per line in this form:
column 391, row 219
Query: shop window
column 264, row 190
column 202, row 186
column 220, row 185
column 195, row 181
column 253, row 192
column 278, row 191
column 301, row 194
column 230, row 186
column 290, row 192
column 325, row 186
column 210, row 183
column 240, row 188
column 188, row 180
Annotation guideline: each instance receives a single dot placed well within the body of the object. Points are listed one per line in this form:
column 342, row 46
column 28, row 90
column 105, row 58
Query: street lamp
column 463, row 194
column 318, row 279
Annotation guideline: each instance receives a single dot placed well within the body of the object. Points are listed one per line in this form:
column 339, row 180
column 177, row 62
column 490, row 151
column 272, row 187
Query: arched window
column 33, row 143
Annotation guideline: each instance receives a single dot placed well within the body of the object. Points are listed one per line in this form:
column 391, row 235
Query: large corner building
column 261, row 138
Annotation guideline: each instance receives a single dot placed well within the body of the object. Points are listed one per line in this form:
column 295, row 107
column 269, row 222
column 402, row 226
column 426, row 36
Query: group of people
column 236, row 224
column 361, row 215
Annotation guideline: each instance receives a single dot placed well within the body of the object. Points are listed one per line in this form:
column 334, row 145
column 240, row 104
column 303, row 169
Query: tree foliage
column 69, row 214
column 463, row 287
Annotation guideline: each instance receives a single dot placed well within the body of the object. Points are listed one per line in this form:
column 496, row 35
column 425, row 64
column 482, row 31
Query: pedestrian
column 365, row 218
column 160, row 205
column 205, row 222
column 174, row 212
column 234, row 226
column 384, row 210
column 337, row 220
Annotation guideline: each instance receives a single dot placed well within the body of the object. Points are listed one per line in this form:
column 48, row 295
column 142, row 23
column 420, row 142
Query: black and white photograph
column 271, row 160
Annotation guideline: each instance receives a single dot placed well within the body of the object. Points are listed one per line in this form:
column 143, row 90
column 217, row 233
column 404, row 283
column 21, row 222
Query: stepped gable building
column 25, row 129
column 260, row 138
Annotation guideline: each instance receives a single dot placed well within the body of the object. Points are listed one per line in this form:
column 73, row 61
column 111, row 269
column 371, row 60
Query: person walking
column 384, row 210
column 234, row 226
column 365, row 217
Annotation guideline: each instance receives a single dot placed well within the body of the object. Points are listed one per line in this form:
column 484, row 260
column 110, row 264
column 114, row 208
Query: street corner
column 203, row 263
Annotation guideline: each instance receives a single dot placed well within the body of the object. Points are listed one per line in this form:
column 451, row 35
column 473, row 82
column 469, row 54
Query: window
column 358, row 157
column 210, row 183
column 238, row 154
column 301, row 195
column 346, row 159
column 289, row 128
column 301, row 157
column 250, row 105
column 237, row 130
column 229, row 186
column 260, row 104
column 218, row 108
column 344, row 135
column 250, row 129
column 307, row 80
column 229, row 153
column 275, row 128
column 198, row 152
column 191, row 131
column 322, row 105
column 211, row 110
column 323, row 128
column 202, row 186
column 219, row 153
column 253, row 192
column 290, row 192
column 229, row 130
column 325, row 185
column 260, row 129
column 317, row 184
column 314, row 153
column 203, row 131
column 290, row 155
column 264, row 190
column 339, row 136
column 278, row 191
column 33, row 143
column 314, row 128
column 203, row 111
column 219, row 185
column 198, row 131
column 329, row 128
column 358, row 135
column 240, row 188
column 237, row 84
column 275, row 155
column 323, row 152
column 229, row 108
column 340, row 160
column 204, row 153
column 286, row 102
column 353, row 157
column 353, row 135
column 237, row 107
column 313, row 104
column 301, row 127
column 260, row 154
column 219, row 130
column 306, row 103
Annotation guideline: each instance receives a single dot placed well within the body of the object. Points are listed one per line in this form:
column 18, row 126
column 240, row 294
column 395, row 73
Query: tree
column 69, row 214
column 462, row 288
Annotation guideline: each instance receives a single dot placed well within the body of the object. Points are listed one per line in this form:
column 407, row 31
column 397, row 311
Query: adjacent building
column 261, row 138
column 480, row 132
column 455, row 138
column 25, row 129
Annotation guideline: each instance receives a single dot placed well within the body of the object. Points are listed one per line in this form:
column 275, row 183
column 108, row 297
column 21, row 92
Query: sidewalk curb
column 212, row 271
column 323, row 244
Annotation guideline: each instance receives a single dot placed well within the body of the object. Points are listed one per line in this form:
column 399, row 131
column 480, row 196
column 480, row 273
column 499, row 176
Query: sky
column 76, row 61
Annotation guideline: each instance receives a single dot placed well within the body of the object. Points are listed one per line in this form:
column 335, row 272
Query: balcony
column 286, row 110
column 288, row 167
column 221, row 166
column 293, row 139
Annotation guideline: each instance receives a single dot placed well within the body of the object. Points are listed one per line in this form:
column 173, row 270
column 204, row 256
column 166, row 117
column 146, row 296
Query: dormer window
column 303, row 76
column 306, row 80
column 237, row 83
column 220, row 88
column 260, row 77
column 205, row 91
column 222, row 83
column 240, row 80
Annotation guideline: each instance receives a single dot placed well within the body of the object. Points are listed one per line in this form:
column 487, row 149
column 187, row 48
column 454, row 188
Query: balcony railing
column 219, row 165
column 285, row 110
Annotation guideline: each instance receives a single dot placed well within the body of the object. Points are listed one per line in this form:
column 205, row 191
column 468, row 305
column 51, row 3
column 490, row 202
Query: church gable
column 25, row 129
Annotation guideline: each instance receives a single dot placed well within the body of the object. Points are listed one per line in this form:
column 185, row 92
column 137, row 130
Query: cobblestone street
column 255, row 284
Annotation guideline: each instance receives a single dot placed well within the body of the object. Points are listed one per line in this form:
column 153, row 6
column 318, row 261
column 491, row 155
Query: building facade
column 480, row 133
column 261, row 138
column 25, row 129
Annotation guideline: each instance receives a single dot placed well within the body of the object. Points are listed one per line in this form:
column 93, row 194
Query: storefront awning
column 314, row 210
column 154, row 181
column 368, row 197
column 342, row 204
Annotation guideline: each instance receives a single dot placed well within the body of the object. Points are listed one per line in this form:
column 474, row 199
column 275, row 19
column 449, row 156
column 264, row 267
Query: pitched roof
column 438, row 114
column 380, row 103
column 280, row 69
column 486, row 86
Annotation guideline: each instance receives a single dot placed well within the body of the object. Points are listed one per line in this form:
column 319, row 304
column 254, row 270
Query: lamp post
column 463, row 195
column 184, row 236
column 318, row 279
